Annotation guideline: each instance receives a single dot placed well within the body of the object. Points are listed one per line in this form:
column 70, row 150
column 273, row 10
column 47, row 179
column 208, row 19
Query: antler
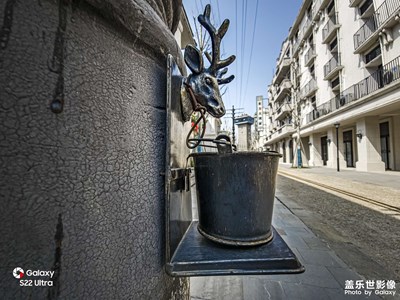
column 216, row 37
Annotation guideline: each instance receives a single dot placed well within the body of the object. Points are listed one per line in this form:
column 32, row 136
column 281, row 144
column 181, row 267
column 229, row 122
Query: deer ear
column 193, row 59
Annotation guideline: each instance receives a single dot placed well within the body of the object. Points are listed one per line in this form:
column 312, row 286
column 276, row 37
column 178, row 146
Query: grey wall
column 81, row 191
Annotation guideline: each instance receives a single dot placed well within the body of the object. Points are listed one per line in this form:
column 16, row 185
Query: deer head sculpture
column 204, row 82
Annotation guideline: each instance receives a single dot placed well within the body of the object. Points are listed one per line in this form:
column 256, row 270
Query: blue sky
column 252, row 74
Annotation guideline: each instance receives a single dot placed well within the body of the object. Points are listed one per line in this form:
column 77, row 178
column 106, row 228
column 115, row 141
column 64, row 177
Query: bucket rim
column 244, row 153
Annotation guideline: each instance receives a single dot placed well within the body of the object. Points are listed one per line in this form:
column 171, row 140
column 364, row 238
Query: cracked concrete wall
column 82, row 143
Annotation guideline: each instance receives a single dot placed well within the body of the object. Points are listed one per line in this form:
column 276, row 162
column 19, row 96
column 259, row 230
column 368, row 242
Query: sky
column 254, row 66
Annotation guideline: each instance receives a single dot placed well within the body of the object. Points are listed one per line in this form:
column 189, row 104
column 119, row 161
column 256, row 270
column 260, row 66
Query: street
column 336, row 237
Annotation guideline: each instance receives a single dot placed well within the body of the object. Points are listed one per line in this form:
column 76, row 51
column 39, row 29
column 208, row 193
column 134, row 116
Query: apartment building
column 337, row 86
column 261, row 124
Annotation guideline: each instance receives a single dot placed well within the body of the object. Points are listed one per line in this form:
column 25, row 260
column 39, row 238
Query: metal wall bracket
column 188, row 253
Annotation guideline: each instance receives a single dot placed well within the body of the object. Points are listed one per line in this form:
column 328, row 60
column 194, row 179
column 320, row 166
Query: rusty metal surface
column 178, row 208
column 235, row 194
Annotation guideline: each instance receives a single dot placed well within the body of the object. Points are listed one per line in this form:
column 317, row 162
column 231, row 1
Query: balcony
column 322, row 4
column 283, row 111
column 309, row 89
column 316, row 10
column 355, row 3
column 309, row 57
column 381, row 78
column 384, row 16
column 330, row 28
column 386, row 12
column 283, row 89
column 332, row 67
column 284, row 130
column 367, row 9
column 296, row 46
column 307, row 27
column 271, row 127
column 373, row 58
column 283, row 69
column 320, row 111
column 365, row 37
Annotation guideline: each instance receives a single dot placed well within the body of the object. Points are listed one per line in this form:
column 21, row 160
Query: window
column 331, row 7
column 311, row 40
column 333, row 45
column 365, row 6
column 374, row 53
column 312, row 70
column 313, row 102
column 335, row 82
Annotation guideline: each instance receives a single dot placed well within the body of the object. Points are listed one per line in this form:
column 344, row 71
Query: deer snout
column 215, row 108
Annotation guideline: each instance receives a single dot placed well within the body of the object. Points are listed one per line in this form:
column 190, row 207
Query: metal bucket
column 235, row 196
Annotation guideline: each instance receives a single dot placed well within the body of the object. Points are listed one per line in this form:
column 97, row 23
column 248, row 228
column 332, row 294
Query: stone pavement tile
column 315, row 243
column 277, row 224
column 343, row 274
column 302, row 212
column 297, row 291
column 314, row 275
column 260, row 288
column 325, row 258
column 298, row 231
column 292, row 221
column 216, row 287
column 296, row 242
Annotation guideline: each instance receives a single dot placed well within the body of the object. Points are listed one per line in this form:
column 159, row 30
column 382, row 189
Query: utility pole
column 232, row 113
column 233, row 125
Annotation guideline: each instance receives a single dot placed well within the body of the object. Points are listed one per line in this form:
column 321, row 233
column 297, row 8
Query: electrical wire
column 243, row 47
column 251, row 49
column 236, row 49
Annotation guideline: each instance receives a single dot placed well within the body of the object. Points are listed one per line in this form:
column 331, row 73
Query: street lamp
column 337, row 124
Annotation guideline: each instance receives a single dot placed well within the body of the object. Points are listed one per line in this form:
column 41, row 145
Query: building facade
column 261, row 124
column 244, row 123
column 336, row 88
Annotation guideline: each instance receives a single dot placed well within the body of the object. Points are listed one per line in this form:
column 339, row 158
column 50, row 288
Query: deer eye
column 208, row 81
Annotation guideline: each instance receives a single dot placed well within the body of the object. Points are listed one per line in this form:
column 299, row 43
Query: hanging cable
column 251, row 49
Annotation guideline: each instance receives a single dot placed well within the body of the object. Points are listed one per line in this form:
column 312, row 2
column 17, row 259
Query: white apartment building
column 261, row 124
column 339, row 67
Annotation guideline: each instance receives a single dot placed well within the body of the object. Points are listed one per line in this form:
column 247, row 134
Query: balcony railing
column 329, row 27
column 382, row 14
column 296, row 45
column 354, row 3
column 315, row 10
column 285, row 128
column 309, row 88
column 365, row 32
column 332, row 65
column 307, row 26
column 283, row 89
column 377, row 80
column 283, row 68
column 386, row 10
column 309, row 55
column 282, row 111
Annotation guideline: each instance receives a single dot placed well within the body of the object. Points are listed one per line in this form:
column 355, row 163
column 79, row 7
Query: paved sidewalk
column 324, row 277
column 389, row 179
column 382, row 187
